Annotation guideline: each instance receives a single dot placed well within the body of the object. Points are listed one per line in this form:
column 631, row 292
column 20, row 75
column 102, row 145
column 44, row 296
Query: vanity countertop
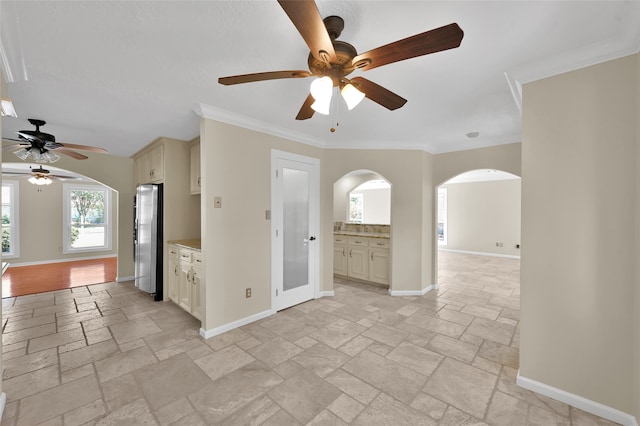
column 190, row 244
column 361, row 234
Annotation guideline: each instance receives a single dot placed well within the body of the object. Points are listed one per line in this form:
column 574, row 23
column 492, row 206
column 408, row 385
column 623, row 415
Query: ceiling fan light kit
column 40, row 180
column 38, row 146
column 332, row 60
column 39, row 157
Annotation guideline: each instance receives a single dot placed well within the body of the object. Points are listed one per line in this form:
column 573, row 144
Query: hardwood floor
column 22, row 280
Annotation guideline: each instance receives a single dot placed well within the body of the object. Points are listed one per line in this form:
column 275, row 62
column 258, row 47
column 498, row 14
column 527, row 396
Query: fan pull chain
column 336, row 107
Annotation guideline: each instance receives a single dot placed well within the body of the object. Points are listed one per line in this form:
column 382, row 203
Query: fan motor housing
column 345, row 54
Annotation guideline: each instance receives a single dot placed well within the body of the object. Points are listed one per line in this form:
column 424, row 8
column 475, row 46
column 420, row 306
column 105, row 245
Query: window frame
column 66, row 218
column 443, row 205
column 14, row 214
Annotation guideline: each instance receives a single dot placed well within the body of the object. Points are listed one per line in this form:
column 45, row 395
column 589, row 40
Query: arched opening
column 59, row 218
column 362, row 228
column 477, row 217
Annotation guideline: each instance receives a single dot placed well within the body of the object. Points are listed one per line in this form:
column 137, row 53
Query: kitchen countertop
column 190, row 244
column 361, row 234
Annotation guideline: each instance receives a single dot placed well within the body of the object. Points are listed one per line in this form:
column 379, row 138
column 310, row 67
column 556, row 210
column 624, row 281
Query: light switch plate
column 217, row 202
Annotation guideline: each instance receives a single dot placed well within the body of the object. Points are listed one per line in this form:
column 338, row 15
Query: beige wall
column 636, row 306
column 579, row 175
column 40, row 214
column 481, row 214
column 501, row 157
column 236, row 238
column 409, row 173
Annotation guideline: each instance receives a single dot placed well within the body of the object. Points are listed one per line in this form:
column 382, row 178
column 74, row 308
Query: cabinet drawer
column 340, row 239
column 196, row 257
column 174, row 252
column 186, row 255
column 379, row 242
column 358, row 241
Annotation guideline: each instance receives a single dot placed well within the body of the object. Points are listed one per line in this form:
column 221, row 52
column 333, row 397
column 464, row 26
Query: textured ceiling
column 119, row 74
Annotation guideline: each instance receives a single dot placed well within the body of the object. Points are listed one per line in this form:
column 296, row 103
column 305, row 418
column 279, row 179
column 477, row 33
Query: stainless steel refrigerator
column 147, row 239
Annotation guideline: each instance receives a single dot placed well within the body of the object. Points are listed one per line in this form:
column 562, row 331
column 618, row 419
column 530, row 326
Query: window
column 442, row 216
column 10, row 215
column 355, row 207
column 87, row 225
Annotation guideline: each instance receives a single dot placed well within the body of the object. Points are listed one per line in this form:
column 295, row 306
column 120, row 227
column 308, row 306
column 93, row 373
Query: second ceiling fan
column 332, row 60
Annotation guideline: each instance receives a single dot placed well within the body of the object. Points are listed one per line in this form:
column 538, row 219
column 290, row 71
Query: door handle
column 311, row 238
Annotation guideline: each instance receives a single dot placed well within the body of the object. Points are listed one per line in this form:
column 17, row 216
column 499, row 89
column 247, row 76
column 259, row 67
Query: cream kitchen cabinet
column 149, row 165
column 185, row 280
column 340, row 259
column 362, row 258
column 379, row 265
column 174, row 273
column 195, row 179
column 358, row 262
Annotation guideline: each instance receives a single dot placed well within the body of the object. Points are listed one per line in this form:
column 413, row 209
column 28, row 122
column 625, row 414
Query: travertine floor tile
column 108, row 354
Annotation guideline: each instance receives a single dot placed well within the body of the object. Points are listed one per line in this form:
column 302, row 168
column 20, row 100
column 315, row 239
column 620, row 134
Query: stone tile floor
column 107, row 354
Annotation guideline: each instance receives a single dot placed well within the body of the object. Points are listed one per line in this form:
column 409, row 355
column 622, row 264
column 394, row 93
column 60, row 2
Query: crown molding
column 229, row 117
column 586, row 56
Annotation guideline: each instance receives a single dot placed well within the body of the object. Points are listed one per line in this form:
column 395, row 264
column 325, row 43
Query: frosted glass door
column 295, row 201
column 295, row 224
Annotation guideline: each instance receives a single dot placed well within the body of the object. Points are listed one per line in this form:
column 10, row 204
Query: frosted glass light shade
column 321, row 90
column 40, row 180
column 39, row 157
column 351, row 95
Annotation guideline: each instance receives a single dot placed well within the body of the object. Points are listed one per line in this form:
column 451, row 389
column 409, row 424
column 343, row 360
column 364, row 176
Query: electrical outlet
column 248, row 293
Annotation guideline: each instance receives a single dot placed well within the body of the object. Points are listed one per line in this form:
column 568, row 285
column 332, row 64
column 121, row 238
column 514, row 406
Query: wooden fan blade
column 436, row 40
column 13, row 146
column 261, row 76
column 306, row 17
column 84, row 148
column 378, row 94
column 71, row 153
column 306, row 111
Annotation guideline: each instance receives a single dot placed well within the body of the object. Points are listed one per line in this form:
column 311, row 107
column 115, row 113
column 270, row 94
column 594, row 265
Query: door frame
column 277, row 256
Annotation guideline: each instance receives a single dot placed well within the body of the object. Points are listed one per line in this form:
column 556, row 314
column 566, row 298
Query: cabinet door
column 358, row 262
column 174, row 278
column 379, row 266
column 184, row 286
column 196, row 295
column 195, row 169
column 156, row 164
column 340, row 259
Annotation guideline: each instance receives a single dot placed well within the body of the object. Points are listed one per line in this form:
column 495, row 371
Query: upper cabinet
column 195, row 167
column 149, row 165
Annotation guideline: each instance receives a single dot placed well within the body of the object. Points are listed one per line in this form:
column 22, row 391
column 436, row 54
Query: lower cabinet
column 362, row 258
column 185, row 279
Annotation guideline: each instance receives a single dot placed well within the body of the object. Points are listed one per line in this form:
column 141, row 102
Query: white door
column 295, row 189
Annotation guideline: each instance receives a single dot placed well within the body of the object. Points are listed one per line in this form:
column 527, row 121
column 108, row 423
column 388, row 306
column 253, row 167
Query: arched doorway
column 478, row 213
column 60, row 220
column 362, row 228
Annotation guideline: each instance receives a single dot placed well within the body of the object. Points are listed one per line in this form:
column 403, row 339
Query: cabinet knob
column 372, row 256
column 199, row 181
column 350, row 255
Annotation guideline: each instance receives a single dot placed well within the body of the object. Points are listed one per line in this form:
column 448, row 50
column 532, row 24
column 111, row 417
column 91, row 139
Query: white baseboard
column 329, row 293
column 577, row 401
column 124, row 279
column 479, row 253
column 68, row 259
column 3, row 403
column 207, row 334
column 422, row 292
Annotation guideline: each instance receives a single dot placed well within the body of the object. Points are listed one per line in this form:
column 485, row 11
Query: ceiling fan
column 39, row 146
column 39, row 176
column 332, row 60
